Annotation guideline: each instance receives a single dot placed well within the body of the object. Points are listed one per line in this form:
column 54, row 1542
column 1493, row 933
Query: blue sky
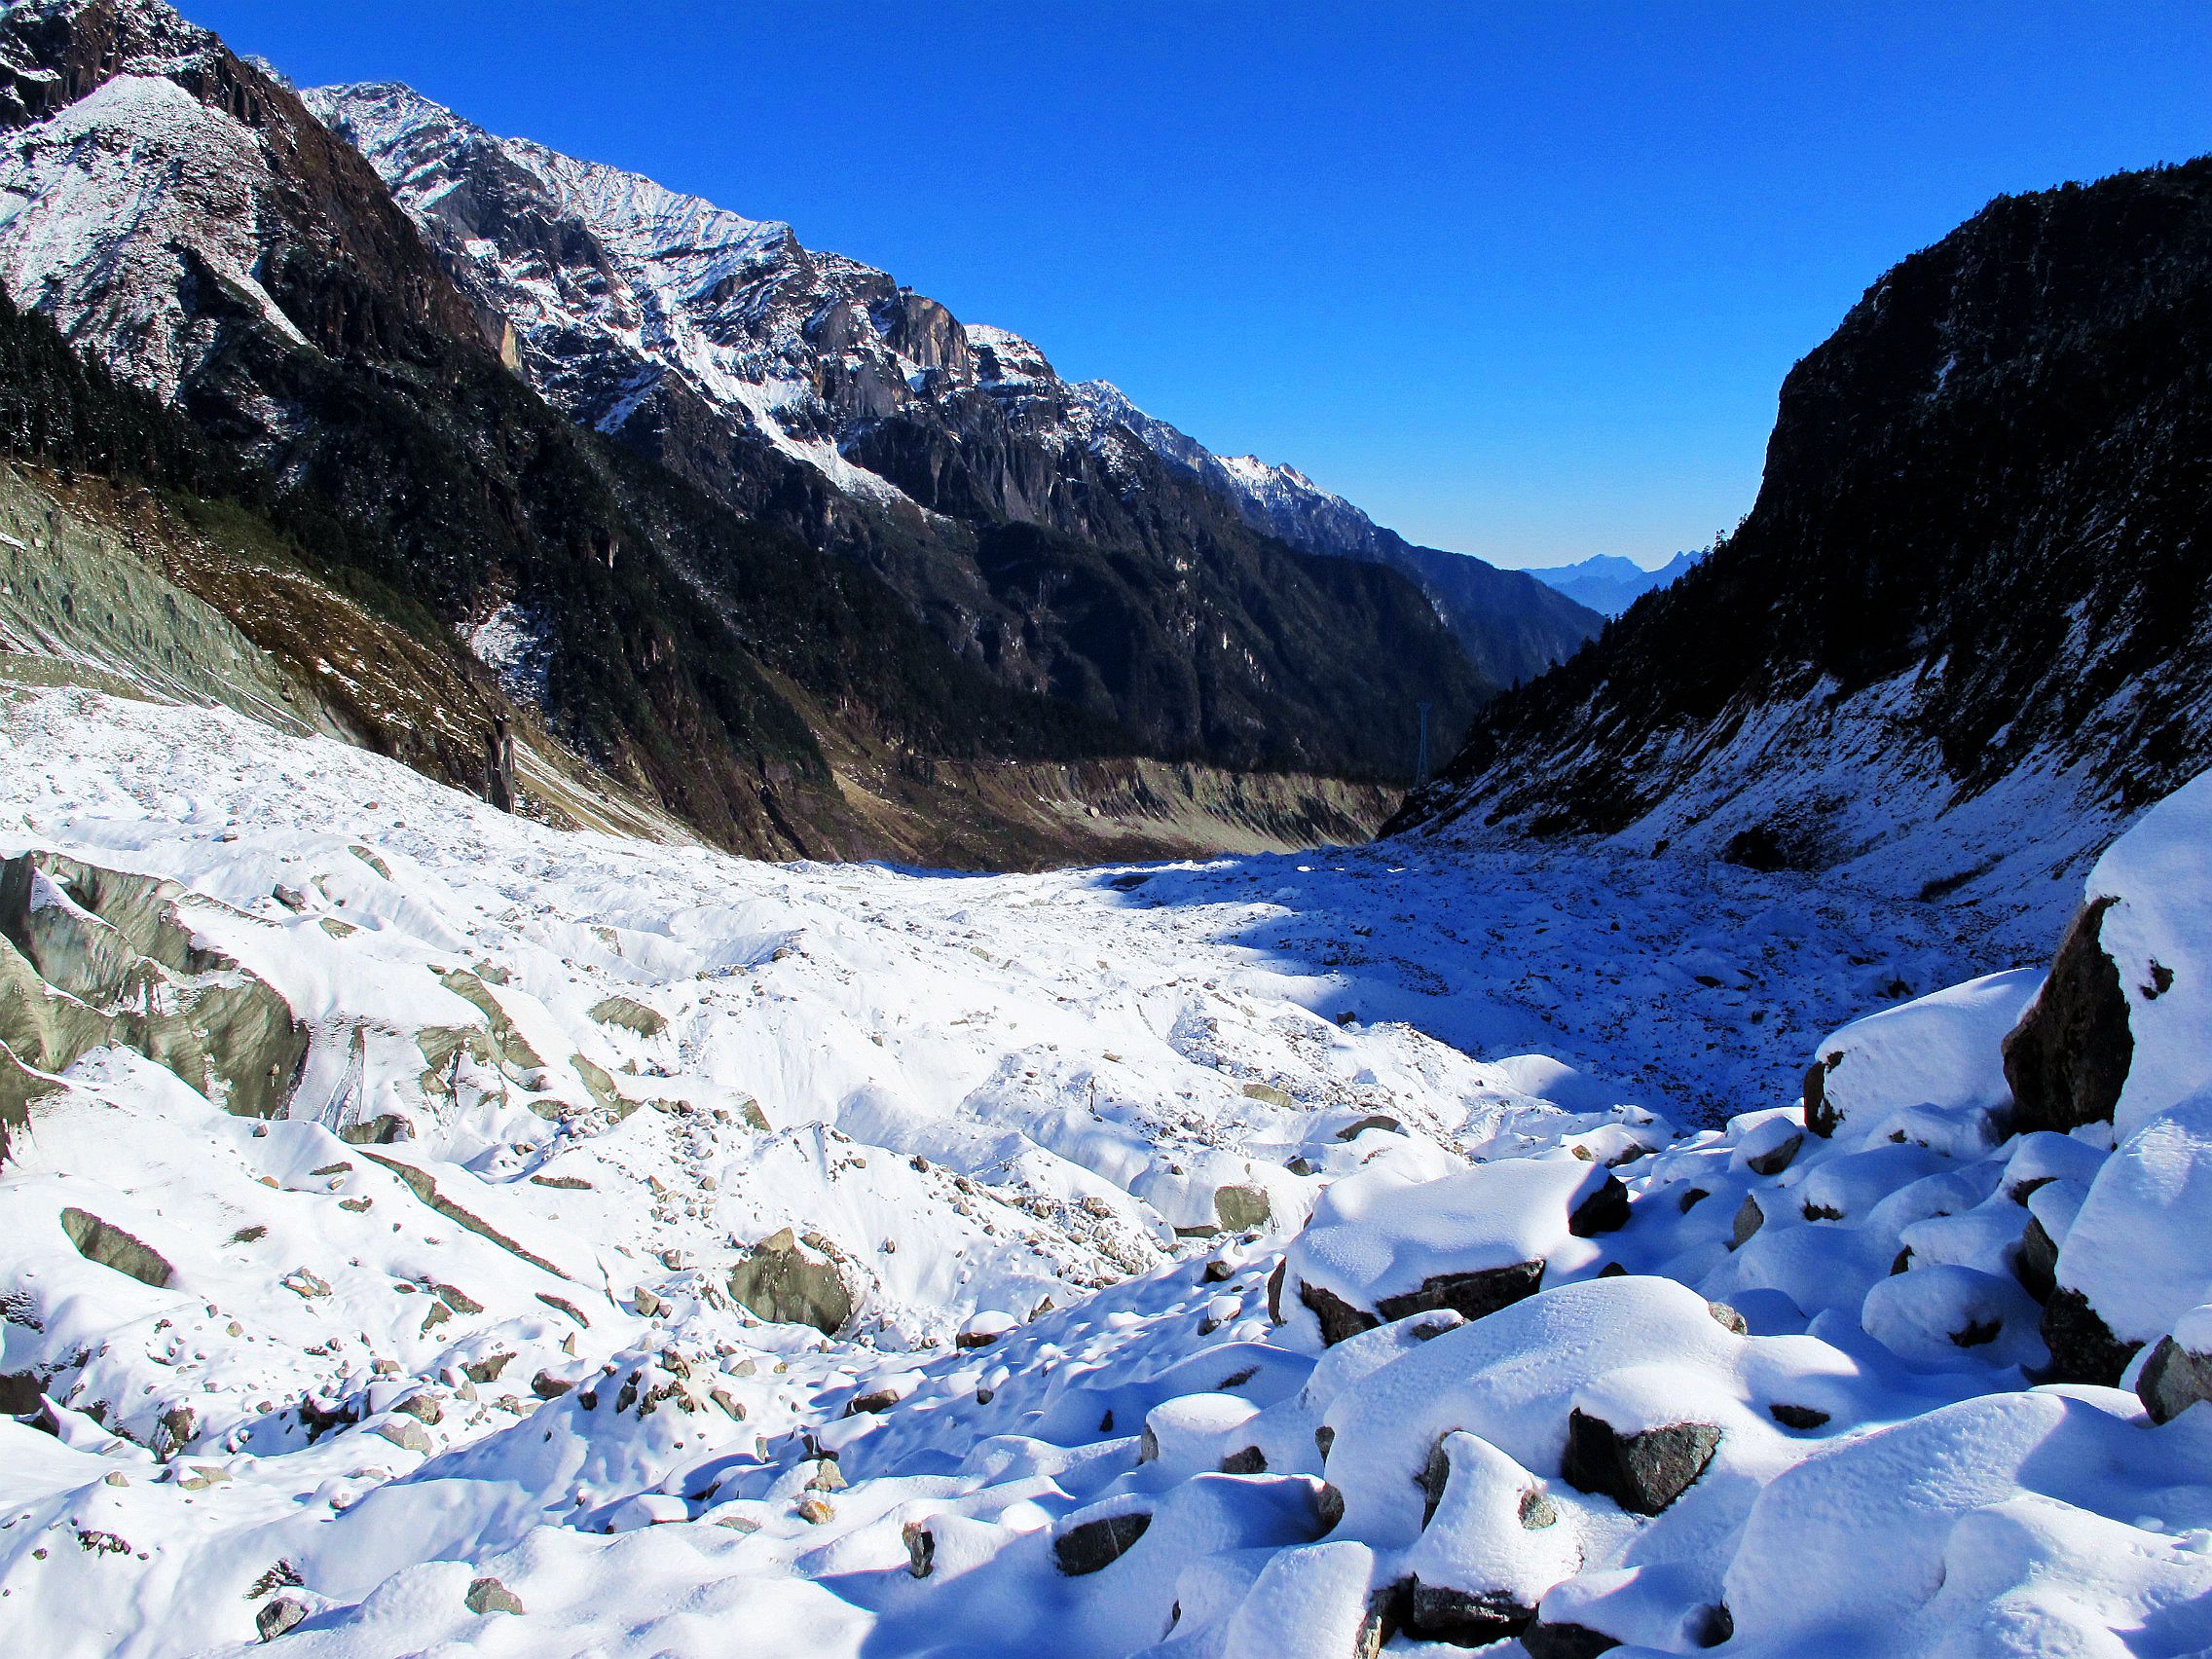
column 1521, row 280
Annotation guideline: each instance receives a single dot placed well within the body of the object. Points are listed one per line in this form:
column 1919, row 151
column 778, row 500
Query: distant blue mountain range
column 1610, row 584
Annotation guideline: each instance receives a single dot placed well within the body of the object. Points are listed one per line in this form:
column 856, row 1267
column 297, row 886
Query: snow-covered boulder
column 1938, row 1051
column 2117, row 1032
column 2137, row 1256
column 1382, row 1247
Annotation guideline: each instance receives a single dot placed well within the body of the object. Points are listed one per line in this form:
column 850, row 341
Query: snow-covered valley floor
column 381, row 1250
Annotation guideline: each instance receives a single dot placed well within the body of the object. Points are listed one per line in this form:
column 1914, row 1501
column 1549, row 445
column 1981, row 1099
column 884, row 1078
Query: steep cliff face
column 1972, row 594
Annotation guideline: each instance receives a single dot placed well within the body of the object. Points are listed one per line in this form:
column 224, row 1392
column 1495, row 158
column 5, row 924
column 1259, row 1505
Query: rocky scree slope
column 1048, row 530
column 1971, row 594
column 183, row 220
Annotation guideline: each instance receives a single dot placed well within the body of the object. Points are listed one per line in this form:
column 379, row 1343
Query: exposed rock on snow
column 2068, row 1056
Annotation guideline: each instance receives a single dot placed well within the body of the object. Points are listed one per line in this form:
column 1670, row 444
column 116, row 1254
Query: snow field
column 460, row 1329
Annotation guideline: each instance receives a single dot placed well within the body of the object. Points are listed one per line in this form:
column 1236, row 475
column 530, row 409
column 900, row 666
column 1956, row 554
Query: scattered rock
column 278, row 1616
column 489, row 1596
column 921, row 1548
column 2173, row 1380
column 1373, row 1121
column 1642, row 1472
column 814, row 1510
column 1089, row 1545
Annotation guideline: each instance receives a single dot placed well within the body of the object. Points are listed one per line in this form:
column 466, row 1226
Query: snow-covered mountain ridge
column 623, row 300
column 745, row 662
column 422, row 1228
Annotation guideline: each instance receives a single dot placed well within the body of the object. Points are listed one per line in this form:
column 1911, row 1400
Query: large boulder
column 1643, row 1470
column 1492, row 1545
column 2137, row 1256
column 92, row 956
column 2177, row 1376
column 789, row 1281
column 2068, row 1058
column 1935, row 1051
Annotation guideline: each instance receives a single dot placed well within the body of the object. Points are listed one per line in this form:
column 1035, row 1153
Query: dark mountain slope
column 1974, row 587
column 814, row 393
column 187, row 222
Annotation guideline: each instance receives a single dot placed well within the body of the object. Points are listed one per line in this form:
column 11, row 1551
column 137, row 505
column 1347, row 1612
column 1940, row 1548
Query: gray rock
column 1091, row 1545
column 1467, row 1618
column 921, row 1548
column 110, row 1246
column 1566, row 1641
column 783, row 1282
column 1470, row 1295
column 279, row 1615
column 1821, row 1117
column 408, row 1436
column 1241, row 1209
column 489, row 1596
column 2173, row 1380
column 1748, row 1220
column 1606, row 1210
column 2035, row 1263
column 1642, row 1472
column 1776, row 1158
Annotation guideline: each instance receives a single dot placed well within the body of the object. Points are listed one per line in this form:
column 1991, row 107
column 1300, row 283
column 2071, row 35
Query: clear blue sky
column 1519, row 280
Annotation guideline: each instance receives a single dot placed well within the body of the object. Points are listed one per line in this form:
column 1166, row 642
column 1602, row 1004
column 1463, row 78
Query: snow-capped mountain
column 634, row 308
column 789, row 661
column 1610, row 584
column 1964, row 633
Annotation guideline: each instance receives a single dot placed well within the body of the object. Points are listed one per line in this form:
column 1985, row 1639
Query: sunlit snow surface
column 982, row 1094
